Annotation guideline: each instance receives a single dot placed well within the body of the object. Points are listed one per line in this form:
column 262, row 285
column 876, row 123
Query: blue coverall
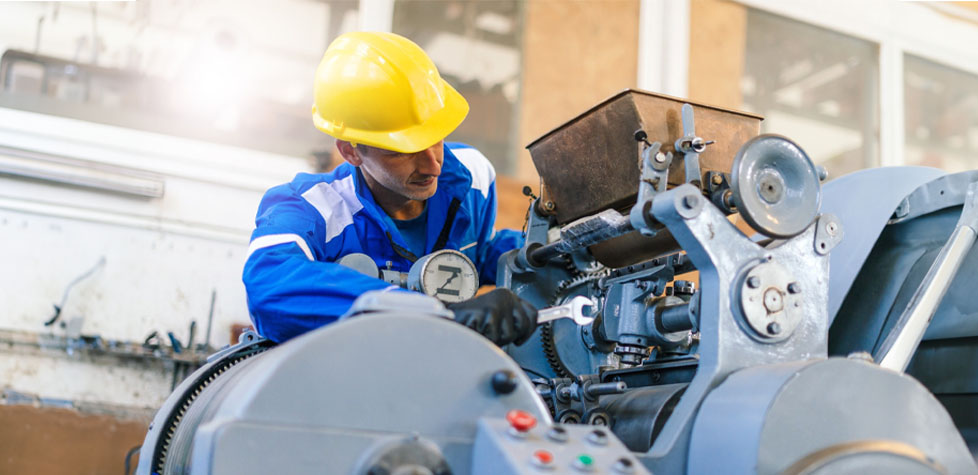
column 304, row 227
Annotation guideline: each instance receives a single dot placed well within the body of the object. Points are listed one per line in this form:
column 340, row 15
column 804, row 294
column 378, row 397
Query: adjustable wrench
column 574, row 310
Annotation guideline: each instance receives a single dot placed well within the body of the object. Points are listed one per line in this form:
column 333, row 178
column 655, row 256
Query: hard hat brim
column 410, row 140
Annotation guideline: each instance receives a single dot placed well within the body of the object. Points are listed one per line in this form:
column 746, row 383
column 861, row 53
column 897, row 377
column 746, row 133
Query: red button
column 544, row 457
column 521, row 420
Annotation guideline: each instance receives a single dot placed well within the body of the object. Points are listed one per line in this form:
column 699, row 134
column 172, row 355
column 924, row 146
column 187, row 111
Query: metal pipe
column 901, row 343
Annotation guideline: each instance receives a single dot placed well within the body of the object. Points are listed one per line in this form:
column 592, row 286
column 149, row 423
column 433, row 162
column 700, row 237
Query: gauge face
column 449, row 276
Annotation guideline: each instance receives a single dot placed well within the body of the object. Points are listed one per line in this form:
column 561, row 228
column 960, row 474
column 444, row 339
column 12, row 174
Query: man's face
column 410, row 175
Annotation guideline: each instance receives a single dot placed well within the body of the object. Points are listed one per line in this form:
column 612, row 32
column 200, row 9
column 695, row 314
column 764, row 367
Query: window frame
column 898, row 28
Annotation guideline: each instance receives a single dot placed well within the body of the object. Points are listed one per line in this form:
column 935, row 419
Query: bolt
column 660, row 157
column 773, row 328
column 831, row 228
column 549, row 206
column 823, row 174
column 753, row 281
column 690, row 201
column 773, row 302
column 794, row 288
column 717, row 179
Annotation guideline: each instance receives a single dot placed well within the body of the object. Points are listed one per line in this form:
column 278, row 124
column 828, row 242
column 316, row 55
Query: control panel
column 518, row 445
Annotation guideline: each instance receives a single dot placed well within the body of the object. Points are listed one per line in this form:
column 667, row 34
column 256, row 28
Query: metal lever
column 573, row 310
column 900, row 345
column 691, row 146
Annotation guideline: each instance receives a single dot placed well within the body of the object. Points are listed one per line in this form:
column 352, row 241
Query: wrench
column 574, row 310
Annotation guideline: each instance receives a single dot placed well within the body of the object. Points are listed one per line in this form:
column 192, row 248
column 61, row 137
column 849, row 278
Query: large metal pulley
column 775, row 186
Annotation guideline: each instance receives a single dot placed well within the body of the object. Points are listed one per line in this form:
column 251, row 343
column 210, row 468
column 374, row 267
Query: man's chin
column 423, row 193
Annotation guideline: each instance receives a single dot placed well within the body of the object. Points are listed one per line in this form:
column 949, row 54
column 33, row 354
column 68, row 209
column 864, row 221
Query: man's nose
column 429, row 161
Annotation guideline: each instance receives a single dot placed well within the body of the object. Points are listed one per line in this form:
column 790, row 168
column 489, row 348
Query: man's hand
column 500, row 316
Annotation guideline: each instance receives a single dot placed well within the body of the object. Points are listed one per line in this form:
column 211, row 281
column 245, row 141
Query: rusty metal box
column 591, row 163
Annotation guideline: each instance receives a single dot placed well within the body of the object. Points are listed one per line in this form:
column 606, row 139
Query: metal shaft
column 676, row 318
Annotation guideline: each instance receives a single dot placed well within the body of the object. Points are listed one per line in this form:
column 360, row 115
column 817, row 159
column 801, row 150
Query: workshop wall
column 716, row 52
column 63, row 441
column 576, row 54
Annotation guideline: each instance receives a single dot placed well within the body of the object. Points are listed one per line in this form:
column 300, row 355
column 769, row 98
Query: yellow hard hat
column 382, row 90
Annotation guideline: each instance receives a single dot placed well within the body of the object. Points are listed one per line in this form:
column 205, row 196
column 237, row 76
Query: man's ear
column 349, row 153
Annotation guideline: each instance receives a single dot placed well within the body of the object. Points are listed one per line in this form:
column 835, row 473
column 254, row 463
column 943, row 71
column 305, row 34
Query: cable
column 129, row 455
column 64, row 296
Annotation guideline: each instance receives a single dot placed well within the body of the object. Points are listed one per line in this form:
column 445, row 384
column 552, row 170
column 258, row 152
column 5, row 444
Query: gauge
column 361, row 263
column 446, row 275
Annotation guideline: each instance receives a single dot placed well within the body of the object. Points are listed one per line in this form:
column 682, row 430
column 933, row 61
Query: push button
column 584, row 463
column 521, row 421
column 623, row 466
column 543, row 459
column 558, row 434
column 598, row 437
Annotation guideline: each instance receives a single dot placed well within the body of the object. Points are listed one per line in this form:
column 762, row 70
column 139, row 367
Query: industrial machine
column 801, row 350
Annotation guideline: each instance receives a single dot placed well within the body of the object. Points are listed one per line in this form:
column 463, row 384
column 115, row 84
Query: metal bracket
column 828, row 233
column 720, row 252
column 653, row 180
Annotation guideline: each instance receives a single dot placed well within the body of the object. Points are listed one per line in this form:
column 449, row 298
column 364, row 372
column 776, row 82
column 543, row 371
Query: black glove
column 500, row 316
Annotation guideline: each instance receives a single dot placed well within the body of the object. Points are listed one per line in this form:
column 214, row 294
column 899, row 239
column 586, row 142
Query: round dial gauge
column 446, row 275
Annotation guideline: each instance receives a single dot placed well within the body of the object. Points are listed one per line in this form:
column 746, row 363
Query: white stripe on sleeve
column 482, row 172
column 270, row 240
column 336, row 202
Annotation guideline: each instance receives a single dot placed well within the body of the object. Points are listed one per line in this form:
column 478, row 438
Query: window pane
column 941, row 115
column 238, row 73
column 815, row 86
column 477, row 48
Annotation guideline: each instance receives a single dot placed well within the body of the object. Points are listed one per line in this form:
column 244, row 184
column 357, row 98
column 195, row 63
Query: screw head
column 504, row 381
column 717, row 179
column 549, row 206
column 773, row 328
column 660, row 157
column 753, row 281
column 831, row 228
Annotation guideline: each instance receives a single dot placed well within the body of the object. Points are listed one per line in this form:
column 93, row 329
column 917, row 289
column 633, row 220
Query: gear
column 203, row 380
column 547, row 329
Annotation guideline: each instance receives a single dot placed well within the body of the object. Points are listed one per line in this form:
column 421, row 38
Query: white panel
column 663, row 49
column 376, row 15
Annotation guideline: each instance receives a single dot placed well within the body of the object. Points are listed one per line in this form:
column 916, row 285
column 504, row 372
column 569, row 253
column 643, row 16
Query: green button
column 585, row 459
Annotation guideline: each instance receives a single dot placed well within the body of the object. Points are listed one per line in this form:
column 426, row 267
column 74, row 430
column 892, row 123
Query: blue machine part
column 863, row 202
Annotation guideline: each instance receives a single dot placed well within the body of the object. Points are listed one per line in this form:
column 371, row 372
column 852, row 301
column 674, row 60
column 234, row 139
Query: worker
column 402, row 192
